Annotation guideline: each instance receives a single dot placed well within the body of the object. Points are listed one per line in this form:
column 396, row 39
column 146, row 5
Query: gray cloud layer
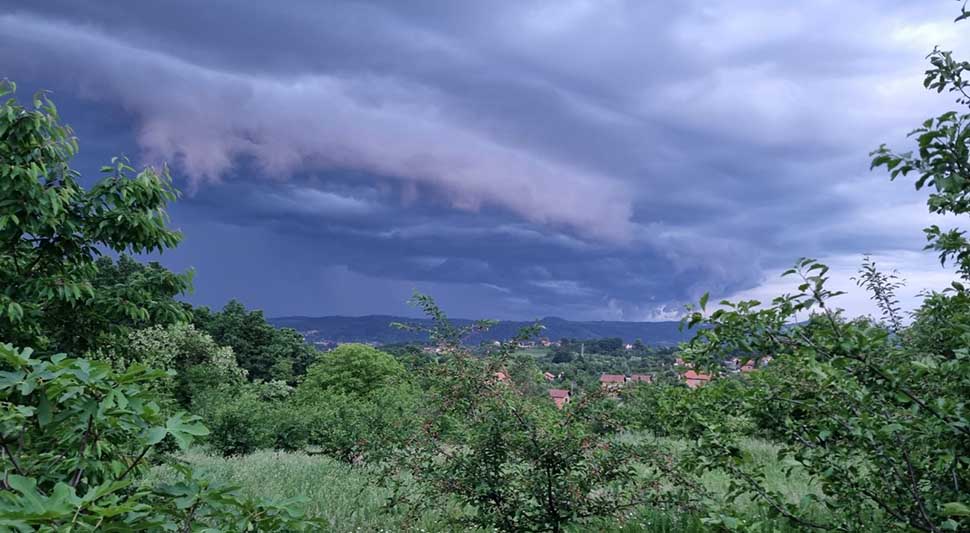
column 593, row 159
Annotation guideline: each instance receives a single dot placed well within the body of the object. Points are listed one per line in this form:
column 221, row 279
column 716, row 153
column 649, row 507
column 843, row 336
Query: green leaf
column 44, row 415
column 956, row 509
column 155, row 435
column 183, row 429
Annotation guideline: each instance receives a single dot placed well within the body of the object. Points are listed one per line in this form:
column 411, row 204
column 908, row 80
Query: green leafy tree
column 241, row 419
column 354, row 369
column 358, row 429
column 52, row 230
column 75, row 434
column 266, row 352
column 197, row 362
column 942, row 159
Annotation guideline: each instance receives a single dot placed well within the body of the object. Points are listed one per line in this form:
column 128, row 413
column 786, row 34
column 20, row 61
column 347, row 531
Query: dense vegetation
column 123, row 409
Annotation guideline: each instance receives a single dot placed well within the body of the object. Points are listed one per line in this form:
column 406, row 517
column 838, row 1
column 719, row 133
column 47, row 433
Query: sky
column 594, row 160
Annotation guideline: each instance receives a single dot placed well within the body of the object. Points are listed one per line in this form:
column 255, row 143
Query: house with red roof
column 641, row 378
column 612, row 381
column 560, row 396
column 694, row 379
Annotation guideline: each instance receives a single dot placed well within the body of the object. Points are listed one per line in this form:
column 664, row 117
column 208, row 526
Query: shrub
column 883, row 428
column 77, row 435
column 517, row 463
column 197, row 361
column 355, row 428
column 241, row 420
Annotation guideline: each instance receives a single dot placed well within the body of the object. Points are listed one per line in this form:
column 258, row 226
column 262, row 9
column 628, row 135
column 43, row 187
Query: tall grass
column 347, row 497
column 351, row 498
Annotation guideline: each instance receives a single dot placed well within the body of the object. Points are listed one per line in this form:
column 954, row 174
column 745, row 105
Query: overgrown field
column 351, row 498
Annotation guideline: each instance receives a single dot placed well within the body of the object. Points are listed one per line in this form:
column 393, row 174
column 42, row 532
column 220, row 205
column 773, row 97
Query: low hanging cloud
column 207, row 121
column 515, row 158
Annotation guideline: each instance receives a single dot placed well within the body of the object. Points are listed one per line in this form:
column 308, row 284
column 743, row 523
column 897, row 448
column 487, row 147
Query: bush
column 197, row 361
column 240, row 418
column 355, row 428
column 518, row 464
column 883, row 427
column 77, row 435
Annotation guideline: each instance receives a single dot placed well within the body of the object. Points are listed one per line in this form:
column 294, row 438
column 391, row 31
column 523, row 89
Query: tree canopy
column 53, row 230
column 355, row 369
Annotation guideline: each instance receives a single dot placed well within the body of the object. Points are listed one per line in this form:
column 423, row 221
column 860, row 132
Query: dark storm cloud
column 586, row 159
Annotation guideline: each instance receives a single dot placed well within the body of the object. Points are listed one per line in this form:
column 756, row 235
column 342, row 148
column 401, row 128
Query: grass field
column 350, row 498
column 532, row 352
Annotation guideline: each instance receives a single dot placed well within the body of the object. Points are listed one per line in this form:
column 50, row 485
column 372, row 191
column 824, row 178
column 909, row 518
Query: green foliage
column 883, row 288
column 940, row 323
column 197, row 361
column 52, row 231
column 241, row 421
column 76, row 421
column 883, row 428
column 352, row 369
column 673, row 410
column 265, row 352
column 520, row 464
column 942, row 159
column 357, row 429
column 355, row 404
column 75, row 436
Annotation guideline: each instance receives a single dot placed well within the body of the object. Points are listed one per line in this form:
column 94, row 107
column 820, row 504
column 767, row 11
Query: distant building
column 612, row 381
column 695, row 379
column 641, row 378
column 560, row 396
column 548, row 376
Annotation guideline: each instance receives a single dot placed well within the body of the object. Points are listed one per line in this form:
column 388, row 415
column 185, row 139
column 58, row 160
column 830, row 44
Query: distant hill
column 377, row 328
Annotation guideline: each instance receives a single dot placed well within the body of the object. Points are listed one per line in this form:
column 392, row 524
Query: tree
column 639, row 347
column 52, row 231
column 196, row 360
column 75, row 434
column 267, row 353
column 942, row 159
column 353, row 369
column 562, row 355
column 883, row 427
column 879, row 414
